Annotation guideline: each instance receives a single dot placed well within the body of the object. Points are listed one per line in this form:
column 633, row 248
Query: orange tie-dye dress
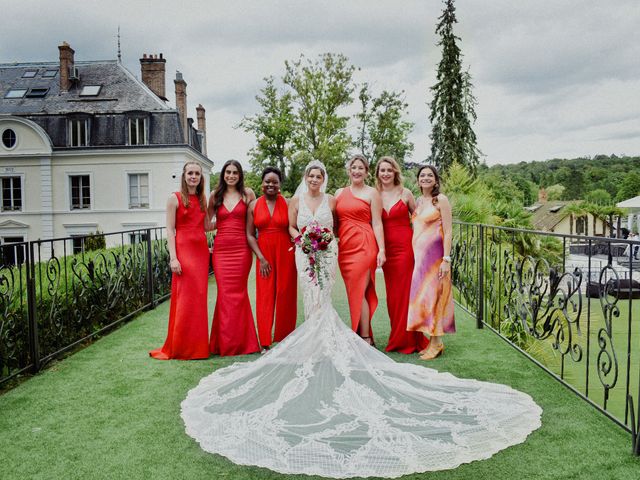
column 431, row 299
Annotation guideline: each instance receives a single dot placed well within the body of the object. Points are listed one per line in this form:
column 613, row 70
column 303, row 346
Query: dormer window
column 78, row 129
column 138, row 131
column 90, row 90
column 37, row 92
column 29, row 73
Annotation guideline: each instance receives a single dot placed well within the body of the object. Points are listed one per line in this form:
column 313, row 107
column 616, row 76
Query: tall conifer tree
column 453, row 105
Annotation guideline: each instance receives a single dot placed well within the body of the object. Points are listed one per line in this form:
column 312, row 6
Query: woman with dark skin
column 276, row 283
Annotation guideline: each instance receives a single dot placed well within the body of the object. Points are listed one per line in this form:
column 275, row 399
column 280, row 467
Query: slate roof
column 121, row 91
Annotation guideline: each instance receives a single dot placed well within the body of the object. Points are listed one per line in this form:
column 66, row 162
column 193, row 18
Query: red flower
column 322, row 245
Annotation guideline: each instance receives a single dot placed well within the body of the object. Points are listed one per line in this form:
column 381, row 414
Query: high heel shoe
column 432, row 353
column 369, row 340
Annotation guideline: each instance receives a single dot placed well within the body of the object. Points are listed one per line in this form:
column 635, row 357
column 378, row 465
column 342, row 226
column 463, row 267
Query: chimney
column 66, row 66
column 181, row 104
column 542, row 196
column 202, row 127
column 153, row 73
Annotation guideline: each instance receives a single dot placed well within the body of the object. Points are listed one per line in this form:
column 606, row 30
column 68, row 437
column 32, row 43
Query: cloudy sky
column 552, row 78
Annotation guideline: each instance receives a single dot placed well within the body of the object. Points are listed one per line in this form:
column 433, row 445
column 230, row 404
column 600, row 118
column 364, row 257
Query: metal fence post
column 152, row 302
column 480, row 312
column 32, row 312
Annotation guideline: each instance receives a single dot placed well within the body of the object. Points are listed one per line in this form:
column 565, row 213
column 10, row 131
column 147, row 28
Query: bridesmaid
column 431, row 301
column 276, row 281
column 187, row 220
column 397, row 206
column 233, row 331
column 358, row 208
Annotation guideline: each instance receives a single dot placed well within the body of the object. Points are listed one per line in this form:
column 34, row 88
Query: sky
column 553, row 79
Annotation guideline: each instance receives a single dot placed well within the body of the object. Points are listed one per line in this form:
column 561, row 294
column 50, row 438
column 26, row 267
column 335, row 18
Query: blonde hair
column 397, row 174
column 362, row 158
column 184, row 189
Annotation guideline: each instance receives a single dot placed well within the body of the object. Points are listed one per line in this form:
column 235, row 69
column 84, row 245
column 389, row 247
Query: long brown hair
column 436, row 188
column 222, row 187
column 184, row 189
column 397, row 174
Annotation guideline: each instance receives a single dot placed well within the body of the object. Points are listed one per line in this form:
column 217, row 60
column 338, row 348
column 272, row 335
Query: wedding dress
column 324, row 402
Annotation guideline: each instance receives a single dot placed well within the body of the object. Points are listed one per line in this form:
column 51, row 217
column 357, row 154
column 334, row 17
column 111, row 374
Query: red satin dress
column 187, row 338
column 398, row 269
column 357, row 254
column 277, row 292
column 233, row 331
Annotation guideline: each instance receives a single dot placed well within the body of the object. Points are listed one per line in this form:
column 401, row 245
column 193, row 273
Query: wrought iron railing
column 570, row 303
column 56, row 294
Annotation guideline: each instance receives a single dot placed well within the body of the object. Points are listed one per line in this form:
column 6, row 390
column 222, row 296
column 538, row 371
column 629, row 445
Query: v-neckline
column 388, row 212
column 313, row 214
column 234, row 207
column 275, row 204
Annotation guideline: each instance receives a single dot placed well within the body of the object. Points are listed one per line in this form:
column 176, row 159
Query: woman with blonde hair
column 187, row 220
column 358, row 208
column 397, row 206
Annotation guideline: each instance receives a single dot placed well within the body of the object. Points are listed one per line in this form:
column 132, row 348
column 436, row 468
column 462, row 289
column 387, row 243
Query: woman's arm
column 447, row 227
column 249, row 195
column 376, row 223
column 409, row 200
column 293, row 217
column 172, row 208
column 265, row 266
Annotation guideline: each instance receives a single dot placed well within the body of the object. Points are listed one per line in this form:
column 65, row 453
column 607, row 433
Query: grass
column 111, row 412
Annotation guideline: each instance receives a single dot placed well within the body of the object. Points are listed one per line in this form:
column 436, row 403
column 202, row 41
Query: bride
column 324, row 402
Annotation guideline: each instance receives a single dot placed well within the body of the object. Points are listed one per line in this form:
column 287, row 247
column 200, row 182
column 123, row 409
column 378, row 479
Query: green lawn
column 111, row 412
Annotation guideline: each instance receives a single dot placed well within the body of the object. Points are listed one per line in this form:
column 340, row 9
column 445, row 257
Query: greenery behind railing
column 54, row 301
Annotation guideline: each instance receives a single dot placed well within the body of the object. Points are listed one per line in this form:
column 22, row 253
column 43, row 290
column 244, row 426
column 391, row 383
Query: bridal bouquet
column 314, row 241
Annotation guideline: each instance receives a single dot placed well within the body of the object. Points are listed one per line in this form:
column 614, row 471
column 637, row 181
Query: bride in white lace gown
column 324, row 402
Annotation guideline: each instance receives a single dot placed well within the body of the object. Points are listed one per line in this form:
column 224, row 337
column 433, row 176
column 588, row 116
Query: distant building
column 555, row 216
column 86, row 147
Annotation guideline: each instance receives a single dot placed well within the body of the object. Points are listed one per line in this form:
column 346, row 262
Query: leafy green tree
column 555, row 192
column 630, row 187
column 274, row 130
column 321, row 90
column 574, row 185
column 382, row 130
column 453, row 105
column 598, row 197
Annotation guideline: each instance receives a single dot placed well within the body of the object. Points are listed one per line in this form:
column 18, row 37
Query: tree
column 382, row 130
column 555, row 192
column 320, row 90
column 598, row 197
column 453, row 104
column 274, row 130
column 630, row 187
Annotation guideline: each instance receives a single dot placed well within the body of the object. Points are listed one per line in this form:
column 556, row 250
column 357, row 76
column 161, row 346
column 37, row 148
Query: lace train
column 323, row 402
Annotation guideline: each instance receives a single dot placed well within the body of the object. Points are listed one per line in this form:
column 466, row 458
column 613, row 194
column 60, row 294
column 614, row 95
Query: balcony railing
column 57, row 294
column 570, row 303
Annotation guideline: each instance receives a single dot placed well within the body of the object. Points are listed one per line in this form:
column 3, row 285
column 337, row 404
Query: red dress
column 397, row 277
column 233, row 331
column 187, row 338
column 278, row 291
column 357, row 254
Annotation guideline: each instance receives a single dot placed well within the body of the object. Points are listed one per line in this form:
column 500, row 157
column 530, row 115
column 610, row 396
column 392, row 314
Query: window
column 10, row 253
column 16, row 93
column 138, row 190
column 29, row 73
column 50, row 73
column 581, row 226
column 90, row 90
column 78, row 132
column 77, row 243
column 11, row 194
column 80, row 192
column 138, row 131
column 37, row 92
column 9, row 138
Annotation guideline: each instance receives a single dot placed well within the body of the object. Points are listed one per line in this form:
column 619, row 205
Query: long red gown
column 278, row 291
column 397, row 277
column 187, row 338
column 357, row 254
column 233, row 331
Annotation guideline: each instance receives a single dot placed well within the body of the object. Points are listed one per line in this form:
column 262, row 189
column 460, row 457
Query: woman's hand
column 381, row 258
column 444, row 270
column 175, row 266
column 265, row 267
